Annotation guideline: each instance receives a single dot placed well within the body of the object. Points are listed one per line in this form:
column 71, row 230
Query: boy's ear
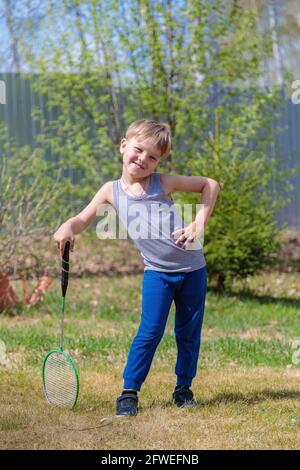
column 122, row 143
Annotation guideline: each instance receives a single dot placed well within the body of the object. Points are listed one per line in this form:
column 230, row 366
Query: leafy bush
column 30, row 201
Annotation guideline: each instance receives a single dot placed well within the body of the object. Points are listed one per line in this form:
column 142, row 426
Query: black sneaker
column 127, row 404
column 183, row 396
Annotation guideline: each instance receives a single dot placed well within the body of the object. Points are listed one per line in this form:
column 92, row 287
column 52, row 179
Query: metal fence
column 20, row 99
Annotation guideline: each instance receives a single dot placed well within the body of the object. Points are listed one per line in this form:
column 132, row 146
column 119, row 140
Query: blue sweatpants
column 188, row 290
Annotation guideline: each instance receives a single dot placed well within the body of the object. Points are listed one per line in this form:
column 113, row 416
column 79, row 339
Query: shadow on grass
column 263, row 299
column 223, row 398
column 252, row 398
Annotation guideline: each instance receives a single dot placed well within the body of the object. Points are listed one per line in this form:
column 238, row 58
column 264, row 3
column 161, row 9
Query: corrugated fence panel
column 21, row 99
column 289, row 145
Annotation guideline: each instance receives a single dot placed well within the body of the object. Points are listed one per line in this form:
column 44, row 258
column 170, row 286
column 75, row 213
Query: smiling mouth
column 139, row 166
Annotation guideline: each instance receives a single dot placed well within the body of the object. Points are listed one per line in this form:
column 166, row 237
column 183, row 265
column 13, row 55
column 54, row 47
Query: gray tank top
column 149, row 220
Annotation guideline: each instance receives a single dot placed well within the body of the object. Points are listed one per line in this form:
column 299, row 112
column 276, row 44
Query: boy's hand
column 62, row 235
column 188, row 234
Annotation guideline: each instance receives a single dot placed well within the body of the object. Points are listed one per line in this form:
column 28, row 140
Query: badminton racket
column 60, row 378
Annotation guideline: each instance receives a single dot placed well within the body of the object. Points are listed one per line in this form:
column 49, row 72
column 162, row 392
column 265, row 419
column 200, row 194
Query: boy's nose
column 142, row 159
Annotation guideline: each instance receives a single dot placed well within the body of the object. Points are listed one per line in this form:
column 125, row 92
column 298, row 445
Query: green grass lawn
column 247, row 386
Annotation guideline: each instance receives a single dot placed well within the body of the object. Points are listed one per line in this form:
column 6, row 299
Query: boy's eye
column 153, row 158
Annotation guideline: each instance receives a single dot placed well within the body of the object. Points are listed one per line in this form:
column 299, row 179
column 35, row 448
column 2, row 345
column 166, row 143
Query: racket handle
column 65, row 269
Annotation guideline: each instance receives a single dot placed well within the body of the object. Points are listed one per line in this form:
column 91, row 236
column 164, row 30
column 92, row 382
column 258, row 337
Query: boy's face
column 140, row 157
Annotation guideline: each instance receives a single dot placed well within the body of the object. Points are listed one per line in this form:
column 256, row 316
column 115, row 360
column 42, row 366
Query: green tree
column 196, row 64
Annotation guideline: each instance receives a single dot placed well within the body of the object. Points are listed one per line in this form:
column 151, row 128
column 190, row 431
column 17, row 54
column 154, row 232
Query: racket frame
column 64, row 286
column 60, row 351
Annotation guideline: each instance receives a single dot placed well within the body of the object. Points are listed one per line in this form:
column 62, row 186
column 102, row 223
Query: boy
column 175, row 269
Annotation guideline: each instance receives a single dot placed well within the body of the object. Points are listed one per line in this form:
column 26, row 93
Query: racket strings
column 60, row 380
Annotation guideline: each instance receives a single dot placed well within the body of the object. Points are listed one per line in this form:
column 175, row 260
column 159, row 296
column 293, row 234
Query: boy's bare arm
column 81, row 221
column 194, row 184
column 87, row 216
column 209, row 189
column 77, row 225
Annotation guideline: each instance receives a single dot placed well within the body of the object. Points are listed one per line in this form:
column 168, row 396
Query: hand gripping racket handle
column 65, row 269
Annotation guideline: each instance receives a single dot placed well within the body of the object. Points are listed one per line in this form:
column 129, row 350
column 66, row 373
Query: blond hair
column 158, row 132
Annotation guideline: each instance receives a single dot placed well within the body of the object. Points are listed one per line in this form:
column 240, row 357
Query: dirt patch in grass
column 19, row 321
column 259, row 333
column 91, row 256
column 276, row 284
column 289, row 257
column 110, row 257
